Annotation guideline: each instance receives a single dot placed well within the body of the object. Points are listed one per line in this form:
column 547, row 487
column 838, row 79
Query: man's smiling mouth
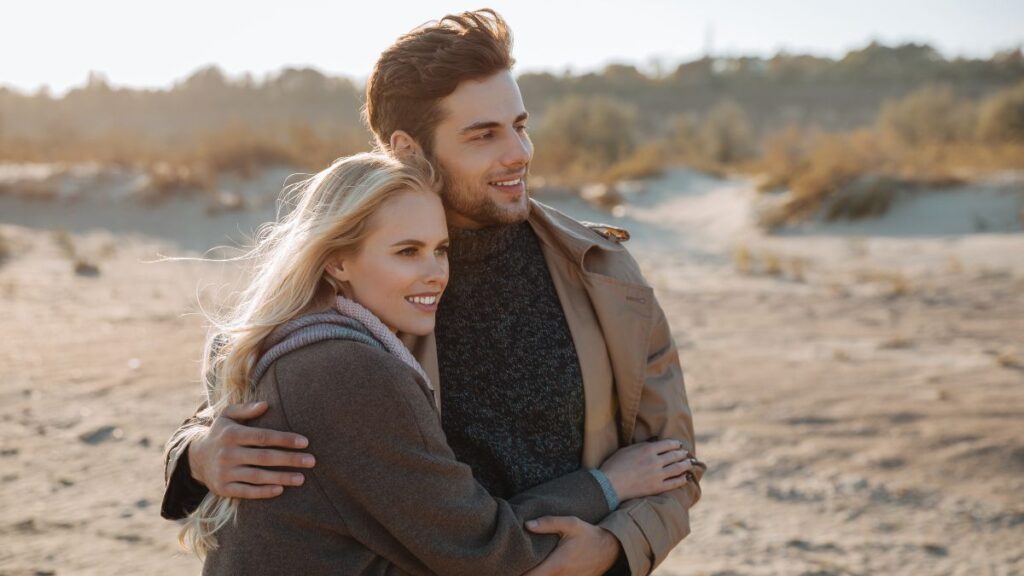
column 507, row 183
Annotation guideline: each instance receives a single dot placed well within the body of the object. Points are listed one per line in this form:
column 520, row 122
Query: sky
column 146, row 44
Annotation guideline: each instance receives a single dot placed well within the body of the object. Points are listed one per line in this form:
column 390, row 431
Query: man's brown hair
column 422, row 67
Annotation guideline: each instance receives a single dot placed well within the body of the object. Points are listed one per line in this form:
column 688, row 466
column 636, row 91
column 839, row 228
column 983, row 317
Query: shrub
column 1001, row 118
column 165, row 180
column 783, row 156
column 929, row 114
column 241, row 150
column 834, row 162
column 646, row 162
column 725, row 136
column 580, row 138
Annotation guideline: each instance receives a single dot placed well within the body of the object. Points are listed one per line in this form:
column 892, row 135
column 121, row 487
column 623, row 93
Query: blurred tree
column 906, row 62
column 207, row 79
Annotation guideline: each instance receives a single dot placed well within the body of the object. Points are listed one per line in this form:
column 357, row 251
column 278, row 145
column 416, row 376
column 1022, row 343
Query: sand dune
column 858, row 399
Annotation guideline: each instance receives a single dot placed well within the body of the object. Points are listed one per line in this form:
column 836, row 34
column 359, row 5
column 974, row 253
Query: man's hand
column 584, row 549
column 225, row 460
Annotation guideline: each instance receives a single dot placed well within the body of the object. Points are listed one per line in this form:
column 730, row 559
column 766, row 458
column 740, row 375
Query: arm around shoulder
column 182, row 494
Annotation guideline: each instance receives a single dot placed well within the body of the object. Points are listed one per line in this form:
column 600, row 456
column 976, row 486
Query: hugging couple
column 481, row 384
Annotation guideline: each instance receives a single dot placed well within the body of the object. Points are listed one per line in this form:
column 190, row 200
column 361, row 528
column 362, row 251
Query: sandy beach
column 858, row 389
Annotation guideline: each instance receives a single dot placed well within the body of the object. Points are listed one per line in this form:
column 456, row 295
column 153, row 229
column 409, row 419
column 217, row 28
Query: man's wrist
column 183, row 493
column 191, row 468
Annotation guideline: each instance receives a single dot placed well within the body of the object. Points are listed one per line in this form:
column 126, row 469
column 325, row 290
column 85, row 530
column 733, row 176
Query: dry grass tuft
column 165, row 180
column 1009, row 359
column 747, row 262
column 64, row 242
column 896, row 283
column 897, row 343
column 743, row 260
column 81, row 265
column 6, row 251
column 772, row 264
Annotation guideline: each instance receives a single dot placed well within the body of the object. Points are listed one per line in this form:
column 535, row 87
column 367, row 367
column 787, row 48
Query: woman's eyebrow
column 409, row 242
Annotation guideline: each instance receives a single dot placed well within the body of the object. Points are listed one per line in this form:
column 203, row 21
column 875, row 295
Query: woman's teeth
column 509, row 182
column 428, row 300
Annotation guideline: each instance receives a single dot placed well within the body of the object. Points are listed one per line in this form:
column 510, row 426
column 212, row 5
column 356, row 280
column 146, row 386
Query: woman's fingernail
column 298, row 479
column 531, row 523
column 308, row 461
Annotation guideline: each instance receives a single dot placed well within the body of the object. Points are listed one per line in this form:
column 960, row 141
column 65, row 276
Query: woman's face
column 402, row 267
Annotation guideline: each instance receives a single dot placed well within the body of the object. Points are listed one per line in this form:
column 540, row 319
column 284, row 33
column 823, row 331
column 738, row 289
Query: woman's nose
column 437, row 269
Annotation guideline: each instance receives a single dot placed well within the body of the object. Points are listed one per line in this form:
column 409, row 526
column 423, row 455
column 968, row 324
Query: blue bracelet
column 606, row 486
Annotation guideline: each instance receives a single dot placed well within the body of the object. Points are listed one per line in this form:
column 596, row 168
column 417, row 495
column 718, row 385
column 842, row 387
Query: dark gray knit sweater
column 511, row 386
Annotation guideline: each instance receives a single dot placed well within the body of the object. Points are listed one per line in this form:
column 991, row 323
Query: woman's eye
column 441, row 250
column 521, row 128
column 410, row 251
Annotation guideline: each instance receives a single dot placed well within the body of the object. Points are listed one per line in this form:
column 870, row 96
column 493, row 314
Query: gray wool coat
column 387, row 495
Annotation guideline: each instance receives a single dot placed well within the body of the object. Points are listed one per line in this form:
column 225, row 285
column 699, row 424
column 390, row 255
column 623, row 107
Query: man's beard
column 466, row 199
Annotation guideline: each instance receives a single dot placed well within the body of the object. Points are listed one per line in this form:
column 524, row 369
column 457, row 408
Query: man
column 550, row 350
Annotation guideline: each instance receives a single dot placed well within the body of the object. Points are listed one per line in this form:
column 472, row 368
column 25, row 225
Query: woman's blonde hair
column 329, row 219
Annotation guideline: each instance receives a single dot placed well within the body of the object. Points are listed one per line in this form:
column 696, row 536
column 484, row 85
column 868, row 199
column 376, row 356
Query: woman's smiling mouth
column 425, row 302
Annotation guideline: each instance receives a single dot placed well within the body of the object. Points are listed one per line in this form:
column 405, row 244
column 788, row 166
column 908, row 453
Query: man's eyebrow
column 488, row 124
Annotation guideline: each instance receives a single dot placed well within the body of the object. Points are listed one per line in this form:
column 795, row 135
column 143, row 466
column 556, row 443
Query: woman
column 361, row 257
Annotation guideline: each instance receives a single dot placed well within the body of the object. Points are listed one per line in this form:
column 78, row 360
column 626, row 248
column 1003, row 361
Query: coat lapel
column 424, row 348
column 621, row 302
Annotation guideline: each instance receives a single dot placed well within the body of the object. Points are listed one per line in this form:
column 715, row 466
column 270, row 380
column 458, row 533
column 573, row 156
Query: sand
column 858, row 392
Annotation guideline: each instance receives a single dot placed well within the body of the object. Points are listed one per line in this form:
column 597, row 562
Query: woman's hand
column 647, row 468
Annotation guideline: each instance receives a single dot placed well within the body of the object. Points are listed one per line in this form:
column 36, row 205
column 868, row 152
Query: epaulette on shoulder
column 613, row 233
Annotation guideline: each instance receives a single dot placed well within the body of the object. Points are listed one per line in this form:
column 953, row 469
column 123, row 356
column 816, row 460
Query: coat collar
column 571, row 237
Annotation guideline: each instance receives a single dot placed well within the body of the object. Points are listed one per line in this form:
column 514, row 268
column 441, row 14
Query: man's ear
column 403, row 145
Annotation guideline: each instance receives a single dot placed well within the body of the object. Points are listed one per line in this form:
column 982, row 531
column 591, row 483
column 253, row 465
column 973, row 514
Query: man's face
column 482, row 151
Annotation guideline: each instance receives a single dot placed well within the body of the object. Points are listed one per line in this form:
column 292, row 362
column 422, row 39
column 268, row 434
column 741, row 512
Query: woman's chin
column 418, row 328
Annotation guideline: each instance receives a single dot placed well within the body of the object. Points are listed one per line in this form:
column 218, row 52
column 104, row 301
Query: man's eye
column 485, row 136
column 521, row 128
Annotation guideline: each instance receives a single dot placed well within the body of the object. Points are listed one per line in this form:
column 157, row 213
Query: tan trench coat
column 633, row 384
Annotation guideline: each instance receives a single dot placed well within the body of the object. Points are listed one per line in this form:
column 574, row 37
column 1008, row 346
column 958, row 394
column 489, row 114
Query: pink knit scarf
column 382, row 333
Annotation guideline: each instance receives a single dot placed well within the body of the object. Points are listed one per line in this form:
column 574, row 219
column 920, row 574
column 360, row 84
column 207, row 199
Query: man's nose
column 519, row 151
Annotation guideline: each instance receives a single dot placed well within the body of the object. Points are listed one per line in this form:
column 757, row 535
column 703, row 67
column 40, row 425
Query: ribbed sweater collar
column 472, row 246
